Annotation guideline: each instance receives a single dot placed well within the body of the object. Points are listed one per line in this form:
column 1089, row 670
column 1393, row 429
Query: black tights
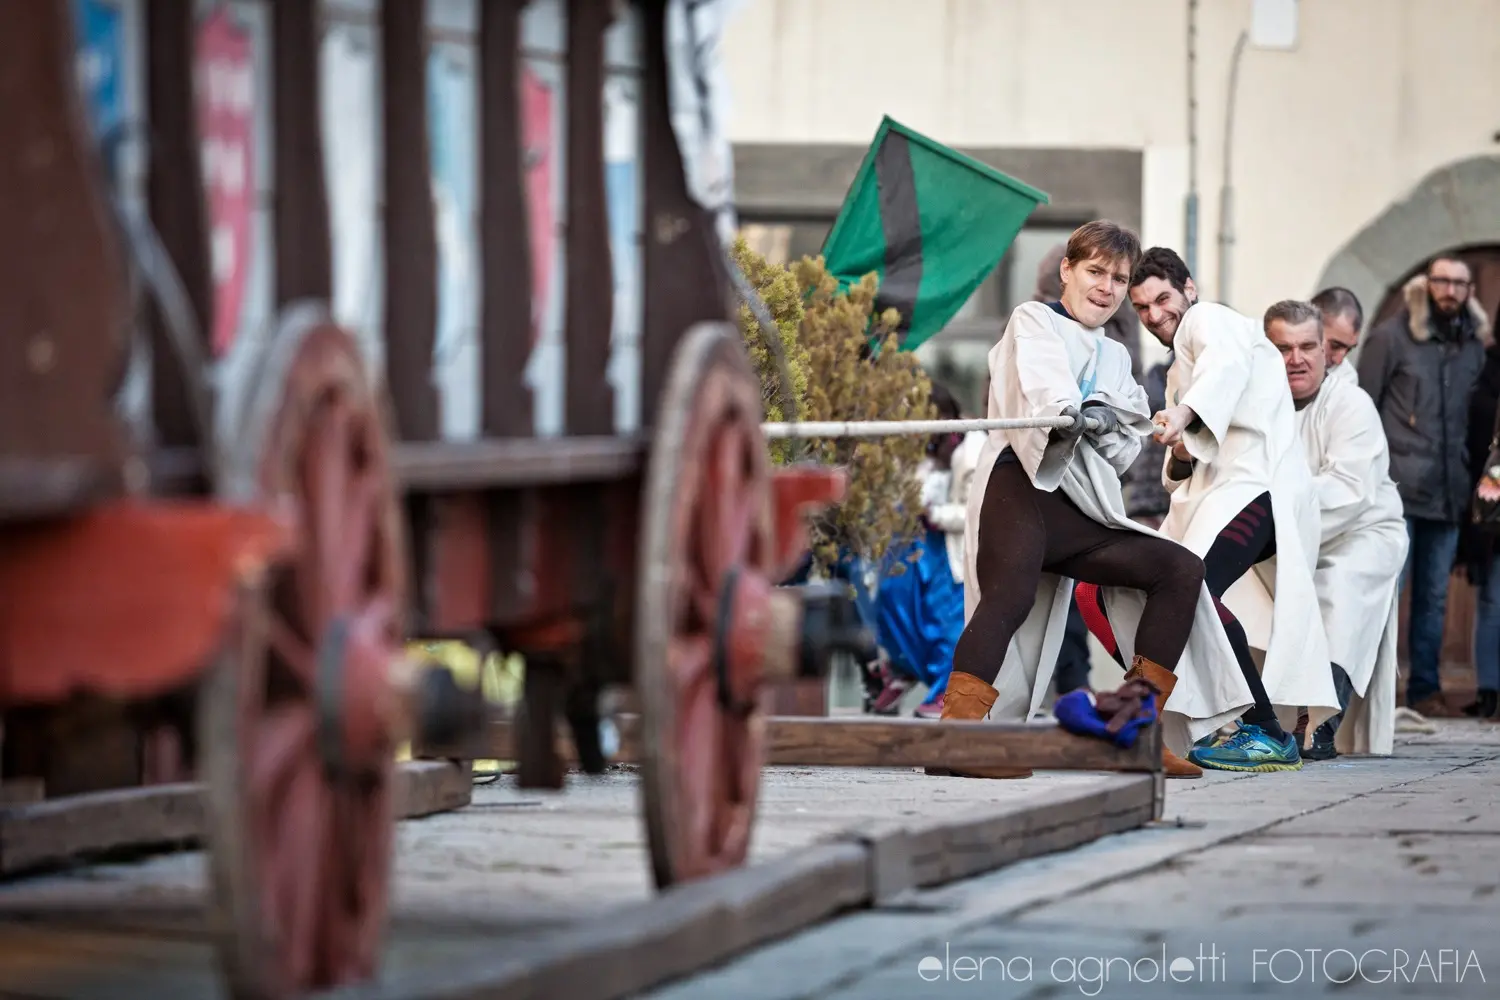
column 1247, row 540
column 1024, row 531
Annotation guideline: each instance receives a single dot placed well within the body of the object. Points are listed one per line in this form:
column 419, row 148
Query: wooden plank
column 75, row 828
column 304, row 254
column 685, row 279
column 64, row 304
column 702, row 924
column 411, row 296
column 450, row 466
column 934, row 853
column 589, row 397
column 174, row 182
column 505, row 321
column 876, row 742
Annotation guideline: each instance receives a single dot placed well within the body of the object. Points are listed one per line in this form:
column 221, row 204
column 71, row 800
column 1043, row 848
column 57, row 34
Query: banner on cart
column 225, row 95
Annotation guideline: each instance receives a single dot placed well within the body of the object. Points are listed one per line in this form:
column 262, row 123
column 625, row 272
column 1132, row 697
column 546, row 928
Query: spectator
column 1479, row 552
column 1420, row 367
column 919, row 612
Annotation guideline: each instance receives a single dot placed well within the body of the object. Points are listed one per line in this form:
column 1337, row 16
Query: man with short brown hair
column 1046, row 509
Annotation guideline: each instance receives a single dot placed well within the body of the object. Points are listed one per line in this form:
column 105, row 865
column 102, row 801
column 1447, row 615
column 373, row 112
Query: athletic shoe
column 893, row 688
column 930, row 709
column 1250, row 749
column 1322, row 744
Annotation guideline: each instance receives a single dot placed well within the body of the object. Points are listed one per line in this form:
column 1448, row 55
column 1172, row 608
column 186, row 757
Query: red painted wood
column 129, row 600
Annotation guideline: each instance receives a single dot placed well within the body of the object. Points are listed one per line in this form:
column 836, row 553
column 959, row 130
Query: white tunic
column 1041, row 365
column 1246, row 444
column 949, row 517
column 1361, row 554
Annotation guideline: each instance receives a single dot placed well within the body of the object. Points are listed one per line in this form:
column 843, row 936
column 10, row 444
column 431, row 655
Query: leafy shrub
column 827, row 332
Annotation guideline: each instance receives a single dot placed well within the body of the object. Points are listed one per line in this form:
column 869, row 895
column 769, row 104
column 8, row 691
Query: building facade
column 1362, row 135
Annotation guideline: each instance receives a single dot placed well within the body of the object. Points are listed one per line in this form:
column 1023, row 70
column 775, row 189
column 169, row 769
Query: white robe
column 950, row 517
column 1246, row 443
column 1039, row 367
column 1361, row 554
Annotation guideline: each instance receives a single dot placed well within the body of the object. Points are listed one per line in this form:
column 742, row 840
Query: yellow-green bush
column 825, row 331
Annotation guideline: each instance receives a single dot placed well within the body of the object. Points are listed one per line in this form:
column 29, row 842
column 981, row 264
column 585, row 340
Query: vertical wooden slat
column 63, row 311
column 685, row 280
column 174, row 191
column 304, row 265
column 410, row 231
column 505, row 305
column 590, row 289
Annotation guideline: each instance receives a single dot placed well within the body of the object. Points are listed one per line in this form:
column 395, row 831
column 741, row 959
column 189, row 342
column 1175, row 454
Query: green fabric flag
column 931, row 221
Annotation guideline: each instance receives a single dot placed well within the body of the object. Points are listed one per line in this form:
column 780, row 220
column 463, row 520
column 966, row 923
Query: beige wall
column 1376, row 95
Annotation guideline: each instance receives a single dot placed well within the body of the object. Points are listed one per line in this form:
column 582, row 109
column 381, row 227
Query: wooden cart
column 269, row 551
column 264, row 549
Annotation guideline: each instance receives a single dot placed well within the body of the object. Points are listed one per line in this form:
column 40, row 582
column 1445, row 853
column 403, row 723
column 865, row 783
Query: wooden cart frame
column 336, row 523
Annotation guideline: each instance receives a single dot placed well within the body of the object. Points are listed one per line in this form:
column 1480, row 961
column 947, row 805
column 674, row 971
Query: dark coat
column 1477, row 549
column 1420, row 370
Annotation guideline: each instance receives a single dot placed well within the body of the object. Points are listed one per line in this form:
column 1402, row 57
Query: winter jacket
column 1476, row 548
column 1420, row 370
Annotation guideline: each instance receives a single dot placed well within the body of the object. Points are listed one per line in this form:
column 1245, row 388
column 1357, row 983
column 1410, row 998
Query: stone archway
column 1453, row 208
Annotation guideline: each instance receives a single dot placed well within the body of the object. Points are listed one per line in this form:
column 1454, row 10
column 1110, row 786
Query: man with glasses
column 1419, row 367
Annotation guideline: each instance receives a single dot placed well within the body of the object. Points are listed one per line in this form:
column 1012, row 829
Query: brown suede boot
column 1162, row 681
column 969, row 699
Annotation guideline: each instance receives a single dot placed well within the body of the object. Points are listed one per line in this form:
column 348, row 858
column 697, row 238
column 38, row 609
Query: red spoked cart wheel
column 708, row 546
column 297, row 718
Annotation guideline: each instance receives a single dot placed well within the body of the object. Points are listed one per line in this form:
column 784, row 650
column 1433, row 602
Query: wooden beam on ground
column 74, row 828
column 879, row 742
column 702, row 924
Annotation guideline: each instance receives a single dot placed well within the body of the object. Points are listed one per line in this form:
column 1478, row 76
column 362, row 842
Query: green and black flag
column 931, row 221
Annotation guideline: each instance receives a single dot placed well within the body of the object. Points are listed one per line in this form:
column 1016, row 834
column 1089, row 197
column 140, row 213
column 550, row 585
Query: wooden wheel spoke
column 690, row 661
column 284, row 739
column 295, row 654
column 699, row 780
column 726, row 507
column 297, row 869
column 326, row 484
column 358, row 538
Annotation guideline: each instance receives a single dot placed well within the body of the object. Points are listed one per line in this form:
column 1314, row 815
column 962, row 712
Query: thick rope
column 894, row 428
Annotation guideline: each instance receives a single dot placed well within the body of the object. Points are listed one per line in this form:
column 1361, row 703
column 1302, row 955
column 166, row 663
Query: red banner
column 536, row 129
column 226, row 97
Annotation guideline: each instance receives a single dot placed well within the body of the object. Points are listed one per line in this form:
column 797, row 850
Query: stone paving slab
column 1312, row 859
column 487, row 879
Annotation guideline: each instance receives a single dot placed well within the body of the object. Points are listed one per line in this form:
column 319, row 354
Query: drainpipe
column 1226, row 192
column 1190, row 208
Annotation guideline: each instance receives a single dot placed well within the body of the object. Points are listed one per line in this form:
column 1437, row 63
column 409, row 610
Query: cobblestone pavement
column 1381, row 872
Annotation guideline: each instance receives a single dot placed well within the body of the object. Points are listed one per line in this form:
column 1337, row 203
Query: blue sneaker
column 1250, row 749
